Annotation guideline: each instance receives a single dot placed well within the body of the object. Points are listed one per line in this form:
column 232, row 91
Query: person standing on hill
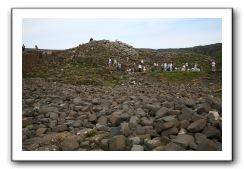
column 140, row 67
column 23, row 47
column 213, row 66
column 109, row 62
column 165, row 67
column 115, row 62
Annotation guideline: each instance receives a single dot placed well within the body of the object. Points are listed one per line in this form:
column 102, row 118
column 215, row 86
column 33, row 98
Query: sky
column 160, row 33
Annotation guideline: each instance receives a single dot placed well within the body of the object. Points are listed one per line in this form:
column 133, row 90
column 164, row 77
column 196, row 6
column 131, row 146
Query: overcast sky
column 140, row 33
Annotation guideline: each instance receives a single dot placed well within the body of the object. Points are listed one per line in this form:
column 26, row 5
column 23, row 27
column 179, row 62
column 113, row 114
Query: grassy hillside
column 87, row 63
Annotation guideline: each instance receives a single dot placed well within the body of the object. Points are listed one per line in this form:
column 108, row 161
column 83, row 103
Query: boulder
column 203, row 108
column 147, row 121
column 41, row 131
column 115, row 118
column 185, row 141
column 140, row 112
column 102, row 120
column 197, row 125
column 125, row 129
column 134, row 120
column 137, row 148
column 27, row 121
column 171, row 131
column 115, row 131
column 117, row 143
column 77, row 123
column 163, row 111
column 173, row 147
column 211, row 132
column 70, row 144
column 151, row 144
column 92, row 117
column 47, row 109
column 204, row 144
column 190, row 102
column 60, row 128
column 186, row 114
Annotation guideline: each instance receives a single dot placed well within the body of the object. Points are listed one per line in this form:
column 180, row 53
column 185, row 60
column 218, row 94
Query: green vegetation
column 177, row 76
column 77, row 74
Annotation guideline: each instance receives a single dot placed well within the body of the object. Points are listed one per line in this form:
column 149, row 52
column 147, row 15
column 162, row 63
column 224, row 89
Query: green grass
column 77, row 74
column 178, row 76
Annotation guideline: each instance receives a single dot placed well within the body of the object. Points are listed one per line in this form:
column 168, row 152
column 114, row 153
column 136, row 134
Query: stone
column 140, row 112
column 186, row 114
column 174, row 112
column 216, row 103
column 125, row 129
column 168, row 104
column 102, row 120
column 139, row 130
column 46, row 109
column 165, row 140
column 115, row 131
column 215, row 114
column 104, row 144
column 97, row 108
column 170, row 131
column 134, row 120
column 153, row 108
column 173, row 147
column 204, row 144
column 160, row 125
column 196, row 117
column 203, row 108
column 184, row 124
column 117, row 143
column 182, row 131
column 211, row 132
column 70, row 144
column 60, row 128
column 147, row 121
column 163, row 111
column 190, row 102
column 41, row 131
column 85, row 144
column 115, row 118
column 95, row 101
column 159, row 148
column 92, row 117
column 125, row 116
column 137, row 148
column 53, row 116
column 102, row 127
column 72, row 114
column 77, row 101
column 150, row 130
column 197, row 125
column 26, row 121
column 77, row 123
column 185, row 141
column 52, row 124
column 151, row 144
column 134, row 140
column 168, row 118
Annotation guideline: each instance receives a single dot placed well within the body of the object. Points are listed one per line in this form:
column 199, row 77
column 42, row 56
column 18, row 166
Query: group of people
column 126, row 67
column 142, row 67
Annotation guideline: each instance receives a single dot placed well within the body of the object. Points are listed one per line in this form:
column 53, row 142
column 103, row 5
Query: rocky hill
column 72, row 101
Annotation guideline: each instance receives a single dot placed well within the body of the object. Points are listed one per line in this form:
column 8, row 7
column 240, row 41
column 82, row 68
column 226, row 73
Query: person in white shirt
column 165, row 67
column 109, row 62
column 140, row 67
column 213, row 66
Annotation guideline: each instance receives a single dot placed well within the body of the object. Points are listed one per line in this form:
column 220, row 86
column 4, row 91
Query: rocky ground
column 163, row 116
